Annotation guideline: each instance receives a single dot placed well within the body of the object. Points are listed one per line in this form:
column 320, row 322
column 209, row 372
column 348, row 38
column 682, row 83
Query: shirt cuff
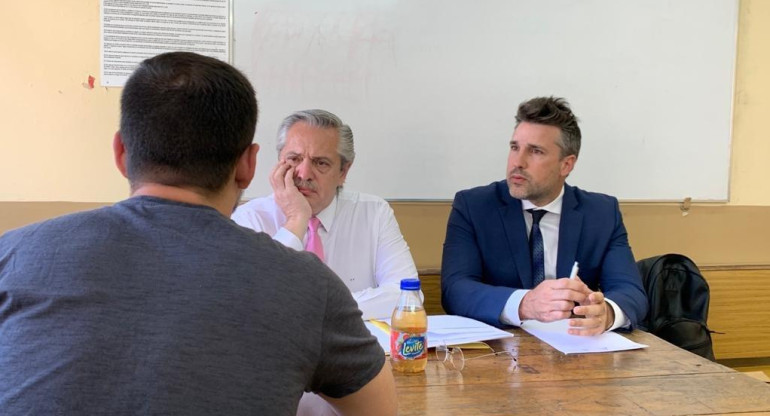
column 510, row 314
column 289, row 239
column 621, row 321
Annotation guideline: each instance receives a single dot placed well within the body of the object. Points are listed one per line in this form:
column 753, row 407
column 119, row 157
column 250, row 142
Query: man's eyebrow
column 531, row 145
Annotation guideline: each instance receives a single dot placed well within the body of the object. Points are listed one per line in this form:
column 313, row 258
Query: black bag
column 679, row 302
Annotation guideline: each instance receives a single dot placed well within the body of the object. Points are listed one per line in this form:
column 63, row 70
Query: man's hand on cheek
column 292, row 203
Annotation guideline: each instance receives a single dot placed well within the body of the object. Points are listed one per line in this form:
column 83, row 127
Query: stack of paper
column 555, row 334
column 446, row 329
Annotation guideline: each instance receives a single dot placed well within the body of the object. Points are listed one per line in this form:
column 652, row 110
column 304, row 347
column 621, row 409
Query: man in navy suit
column 490, row 273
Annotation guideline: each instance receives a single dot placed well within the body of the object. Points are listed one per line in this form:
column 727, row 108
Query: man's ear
column 246, row 166
column 567, row 164
column 344, row 173
column 119, row 152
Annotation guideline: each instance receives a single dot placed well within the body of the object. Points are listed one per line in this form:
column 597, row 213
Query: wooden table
column 659, row 380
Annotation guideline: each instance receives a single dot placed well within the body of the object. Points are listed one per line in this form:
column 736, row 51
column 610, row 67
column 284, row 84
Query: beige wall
column 56, row 134
column 751, row 136
column 712, row 235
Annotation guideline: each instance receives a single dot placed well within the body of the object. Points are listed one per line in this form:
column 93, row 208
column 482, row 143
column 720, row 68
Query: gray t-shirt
column 157, row 307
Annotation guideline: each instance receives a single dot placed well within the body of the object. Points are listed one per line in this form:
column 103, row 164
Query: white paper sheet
column 449, row 329
column 555, row 334
column 132, row 31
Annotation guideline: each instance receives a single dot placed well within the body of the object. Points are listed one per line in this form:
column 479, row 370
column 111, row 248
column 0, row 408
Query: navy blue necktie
column 536, row 248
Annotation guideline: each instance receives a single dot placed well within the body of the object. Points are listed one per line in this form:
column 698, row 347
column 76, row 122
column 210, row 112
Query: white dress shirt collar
column 553, row 206
column 326, row 216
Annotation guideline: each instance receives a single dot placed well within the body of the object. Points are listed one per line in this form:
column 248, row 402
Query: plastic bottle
column 408, row 328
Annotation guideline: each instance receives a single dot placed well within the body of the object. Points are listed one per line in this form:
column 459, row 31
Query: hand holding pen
column 597, row 314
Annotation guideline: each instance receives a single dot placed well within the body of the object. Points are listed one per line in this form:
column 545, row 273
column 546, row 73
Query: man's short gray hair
column 321, row 119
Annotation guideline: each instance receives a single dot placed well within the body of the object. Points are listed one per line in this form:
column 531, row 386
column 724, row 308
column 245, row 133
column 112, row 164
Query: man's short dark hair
column 553, row 111
column 185, row 120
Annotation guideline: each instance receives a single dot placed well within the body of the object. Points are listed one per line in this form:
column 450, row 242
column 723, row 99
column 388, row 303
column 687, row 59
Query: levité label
column 408, row 345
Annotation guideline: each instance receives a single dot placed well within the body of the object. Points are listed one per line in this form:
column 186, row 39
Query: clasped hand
column 556, row 299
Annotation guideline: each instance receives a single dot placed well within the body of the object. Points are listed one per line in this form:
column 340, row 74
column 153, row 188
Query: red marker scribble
column 90, row 84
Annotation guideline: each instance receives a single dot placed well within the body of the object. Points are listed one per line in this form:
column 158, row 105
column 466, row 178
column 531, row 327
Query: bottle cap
column 410, row 284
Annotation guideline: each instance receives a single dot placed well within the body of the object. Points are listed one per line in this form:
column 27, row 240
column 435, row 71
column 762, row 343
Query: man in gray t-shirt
column 162, row 305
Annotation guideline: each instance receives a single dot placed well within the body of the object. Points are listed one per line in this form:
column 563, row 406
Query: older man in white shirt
column 355, row 234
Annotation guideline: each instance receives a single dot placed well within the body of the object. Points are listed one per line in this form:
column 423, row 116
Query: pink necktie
column 314, row 244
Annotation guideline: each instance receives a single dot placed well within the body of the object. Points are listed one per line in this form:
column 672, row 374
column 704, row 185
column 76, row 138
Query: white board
column 430, row 87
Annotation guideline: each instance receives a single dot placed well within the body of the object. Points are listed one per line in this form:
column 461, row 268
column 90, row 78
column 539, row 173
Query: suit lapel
column 569, row 232
column 516, row 233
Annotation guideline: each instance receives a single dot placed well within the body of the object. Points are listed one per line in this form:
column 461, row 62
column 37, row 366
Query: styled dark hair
column 185, row 120
column 553, row 111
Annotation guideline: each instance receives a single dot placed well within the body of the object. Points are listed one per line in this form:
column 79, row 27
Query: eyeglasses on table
column 454, row 359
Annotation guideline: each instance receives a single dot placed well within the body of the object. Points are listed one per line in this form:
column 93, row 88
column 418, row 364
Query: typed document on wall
column 134, row 30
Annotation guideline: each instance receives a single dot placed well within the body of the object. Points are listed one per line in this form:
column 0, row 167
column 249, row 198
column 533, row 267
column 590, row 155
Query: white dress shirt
column 549, row 227
column 361, row 240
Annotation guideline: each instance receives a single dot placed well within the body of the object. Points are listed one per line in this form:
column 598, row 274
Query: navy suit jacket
column 486, row 252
